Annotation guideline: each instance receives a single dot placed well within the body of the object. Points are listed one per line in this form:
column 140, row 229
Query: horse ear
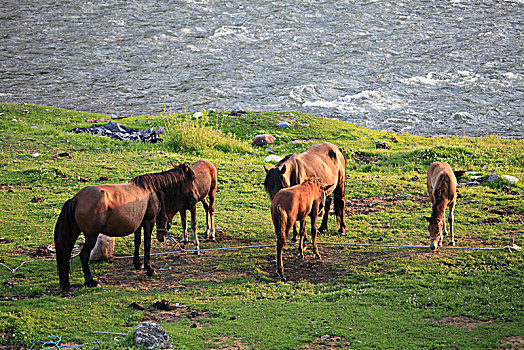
column 283, row 169
column 327, row 188
column 173, row 164
column 266, row 169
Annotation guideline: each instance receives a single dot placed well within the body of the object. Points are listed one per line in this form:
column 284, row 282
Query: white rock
column 273, row 158
column 103, row 249
column 34, row 155
column 510, row 178
column 283, row 125
column 151, row 336
column 198, row 115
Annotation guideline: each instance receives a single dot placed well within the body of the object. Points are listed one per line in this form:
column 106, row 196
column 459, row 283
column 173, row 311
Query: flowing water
column 427, row 67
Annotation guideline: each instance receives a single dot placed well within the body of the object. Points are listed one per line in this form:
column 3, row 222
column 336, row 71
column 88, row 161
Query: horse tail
column 66, row 233
column 280, row 219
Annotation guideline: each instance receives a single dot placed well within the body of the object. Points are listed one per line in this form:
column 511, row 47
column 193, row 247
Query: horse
column 323, row 161
column 206, row 180
column 442, row 189
column 118, row 210
column 294, row 204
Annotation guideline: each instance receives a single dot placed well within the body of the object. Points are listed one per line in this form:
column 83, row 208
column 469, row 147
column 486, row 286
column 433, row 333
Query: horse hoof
column 318, row 256
column 451, row 243
column 197, row 252
column 151, row 273
column 300, row 256
column 92, row 283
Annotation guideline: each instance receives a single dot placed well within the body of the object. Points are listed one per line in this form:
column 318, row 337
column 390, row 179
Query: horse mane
column 167, row 184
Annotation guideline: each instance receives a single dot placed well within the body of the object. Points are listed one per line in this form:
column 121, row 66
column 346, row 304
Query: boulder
column 151, row 335
column 103, row 249
column 264, row 139
column 510, row 178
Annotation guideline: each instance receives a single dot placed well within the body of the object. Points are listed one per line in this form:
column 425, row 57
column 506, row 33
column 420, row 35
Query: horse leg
column 207, row 232
column 136, row 255
column 183, row 219
column 280, row 265
column 314, row 232
column 148, row 228
column 212, row 196
column 84, row 259
column 339, row 205
column 194, row 228
column 323, row 225
column 451, row 218
column 302, row 234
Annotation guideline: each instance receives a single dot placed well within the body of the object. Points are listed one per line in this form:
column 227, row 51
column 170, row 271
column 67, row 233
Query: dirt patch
column 515, row 342
column 359, row 206
column 225, row 343
column 327, row 342
column 461, row 322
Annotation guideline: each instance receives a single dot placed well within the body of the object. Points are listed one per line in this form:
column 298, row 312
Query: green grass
column 369, row 297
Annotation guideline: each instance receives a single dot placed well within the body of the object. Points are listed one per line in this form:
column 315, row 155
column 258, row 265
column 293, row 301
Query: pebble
column 198, row 115
column 34, row 155
column 283, row 125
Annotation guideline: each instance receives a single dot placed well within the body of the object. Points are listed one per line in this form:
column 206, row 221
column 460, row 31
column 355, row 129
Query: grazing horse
column 206, row 180
column 118, row 210
column 442, row 189
column 294, row 204
column 323, row 161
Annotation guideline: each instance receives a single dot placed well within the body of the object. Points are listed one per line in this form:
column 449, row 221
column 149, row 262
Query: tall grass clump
column 191, row 133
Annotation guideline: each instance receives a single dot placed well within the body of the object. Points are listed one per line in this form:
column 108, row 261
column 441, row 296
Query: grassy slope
column 387, row 301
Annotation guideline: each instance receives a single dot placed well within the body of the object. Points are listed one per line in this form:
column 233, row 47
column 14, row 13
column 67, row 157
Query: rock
column 382, row 145
column 198, row 115
column 160, row 130
column 493, row 177
column 473, row 183
column 34, row 155
column 510, row 178
column 283, row 125
column 263, row 139
column 103, row 249
column 273, row 158
column 151, row 336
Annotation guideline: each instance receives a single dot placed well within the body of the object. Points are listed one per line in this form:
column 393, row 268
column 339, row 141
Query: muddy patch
column 359, row 206
column 462, row 322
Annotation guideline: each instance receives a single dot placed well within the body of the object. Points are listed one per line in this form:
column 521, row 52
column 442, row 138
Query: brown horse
column 442, row 189
column 323, row 161
column 206, row 180
column 294, row 204
column 118, row 210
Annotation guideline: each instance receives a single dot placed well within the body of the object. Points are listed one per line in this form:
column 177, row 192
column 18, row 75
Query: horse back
column 441, row 181
column 325, row 162
column 297, row 200
column 114, row 209
column 206, row 178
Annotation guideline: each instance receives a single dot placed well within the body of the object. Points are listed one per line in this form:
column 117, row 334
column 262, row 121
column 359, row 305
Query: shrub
column 185, row 132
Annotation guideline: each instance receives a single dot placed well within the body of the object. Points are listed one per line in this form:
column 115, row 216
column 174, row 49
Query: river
column 425, row 67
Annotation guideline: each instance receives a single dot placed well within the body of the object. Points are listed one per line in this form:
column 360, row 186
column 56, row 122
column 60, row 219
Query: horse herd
column 299, row 187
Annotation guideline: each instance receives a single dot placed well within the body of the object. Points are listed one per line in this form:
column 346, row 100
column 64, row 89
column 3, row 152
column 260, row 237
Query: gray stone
column 283, row 125
column 151, row 336
column 273, row 158
column 103, row 249
column 264, row 139
column 493, row 177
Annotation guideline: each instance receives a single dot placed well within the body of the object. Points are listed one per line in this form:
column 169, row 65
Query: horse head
column 275, row 180
column 163, row 224
column 435, row 229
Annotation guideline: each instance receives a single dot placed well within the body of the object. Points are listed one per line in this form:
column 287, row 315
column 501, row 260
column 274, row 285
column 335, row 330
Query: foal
column 293, row 204
column 442, row 189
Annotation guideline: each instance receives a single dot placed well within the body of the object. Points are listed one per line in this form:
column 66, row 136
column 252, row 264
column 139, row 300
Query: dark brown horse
column 118, row 210
column 294, row 204
column 442, row 189
column 206, row 180
column 323, row 161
